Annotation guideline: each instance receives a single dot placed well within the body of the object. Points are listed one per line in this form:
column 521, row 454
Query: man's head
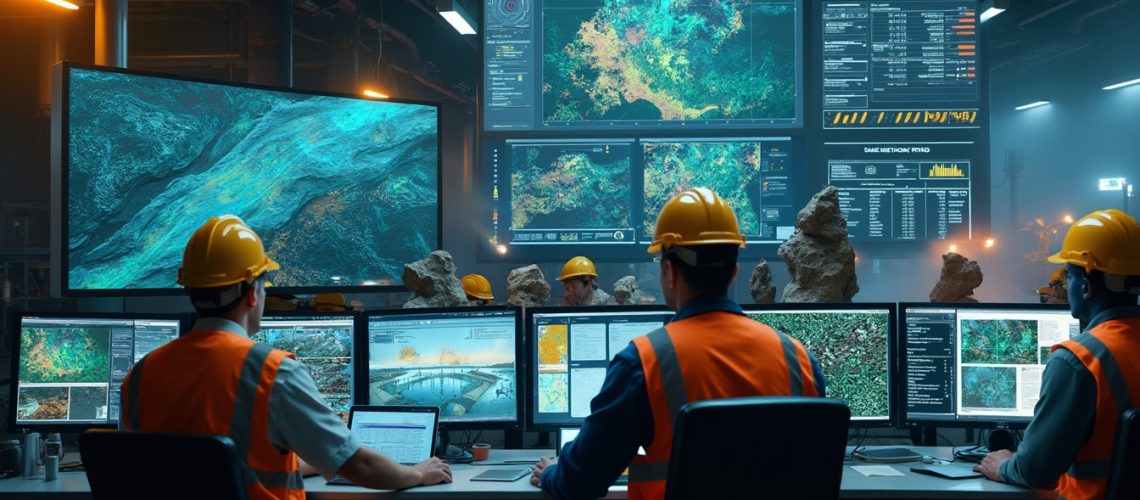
column 1101, row 253
column 330, row 302
column 579, row 280
column 477, row 288
column 699, row 238
column 224, row 271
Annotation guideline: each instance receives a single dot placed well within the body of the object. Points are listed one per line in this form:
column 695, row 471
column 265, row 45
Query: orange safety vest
column 1111, row 352
column 710, row 356
column 215, row 382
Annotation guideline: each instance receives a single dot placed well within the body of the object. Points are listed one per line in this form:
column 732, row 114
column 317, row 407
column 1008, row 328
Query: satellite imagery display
column 570, row 186
column 553, row 378
column 65, row 355
column 1009, row 341
column 342, row 191
column 326, row 352
column 989, row 387
column 731, row 169
column 42, row 403
column 652, row 60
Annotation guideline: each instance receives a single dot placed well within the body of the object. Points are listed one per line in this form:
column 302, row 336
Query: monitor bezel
column 520, row 369
column 184, row 325
column 905, row 419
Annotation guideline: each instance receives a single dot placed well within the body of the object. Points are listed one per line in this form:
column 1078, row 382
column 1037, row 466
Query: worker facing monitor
column 1091, row 378
column 216, row 380
column 698, row 238
column 478, row 289
column 579, row 280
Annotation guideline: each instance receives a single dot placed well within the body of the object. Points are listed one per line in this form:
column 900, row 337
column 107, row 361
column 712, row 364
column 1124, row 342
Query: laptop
column 405, row 434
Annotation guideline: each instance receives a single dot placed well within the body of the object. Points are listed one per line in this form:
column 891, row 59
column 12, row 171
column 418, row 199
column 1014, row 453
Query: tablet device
column 505, row 475
column 947, row 471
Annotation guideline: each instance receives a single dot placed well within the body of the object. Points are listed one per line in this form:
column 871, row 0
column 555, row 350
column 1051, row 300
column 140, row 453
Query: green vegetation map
column 851, row 349
column 999, row 342
column 65, row 355
column 989, row 387
column 731, row 169
column 668, row 60
column 559, row 188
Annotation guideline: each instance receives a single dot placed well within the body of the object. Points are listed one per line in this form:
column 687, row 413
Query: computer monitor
column 465, row 360
column 977, row 365
column 323, row 343
column 69, row 367
column 569, row 349
column 854, row 345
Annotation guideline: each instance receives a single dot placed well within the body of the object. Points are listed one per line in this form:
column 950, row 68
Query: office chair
column 138, row 465
column 772, row 447
column 1123, row 481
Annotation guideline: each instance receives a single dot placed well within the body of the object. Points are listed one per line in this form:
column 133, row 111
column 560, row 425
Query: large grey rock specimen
column 763, row 291
column 433, row 283
column 527, row 287
column 820, row 259
column 626, row 291
column 960, row 276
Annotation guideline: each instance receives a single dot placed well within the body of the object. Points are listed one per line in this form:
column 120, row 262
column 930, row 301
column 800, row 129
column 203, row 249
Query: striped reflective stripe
column 241, row 424
column 274, row 479
column 1111, row 371
column 791, row 358
column 133, row 396
column 648, row 471
column 670, row 369
column 1090, row 469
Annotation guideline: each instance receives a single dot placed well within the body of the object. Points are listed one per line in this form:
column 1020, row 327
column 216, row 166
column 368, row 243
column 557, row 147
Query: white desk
column 74, row 484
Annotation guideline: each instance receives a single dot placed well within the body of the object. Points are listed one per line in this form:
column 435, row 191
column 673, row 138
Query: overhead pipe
column 111, row 33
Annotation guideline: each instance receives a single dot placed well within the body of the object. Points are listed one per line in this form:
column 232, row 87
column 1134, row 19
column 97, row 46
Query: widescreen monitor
column 464, row 360
column 854, row 346
column 977, row 365
column 69, row 367
column 324, row 344
column 343, row 190
column 569, row 349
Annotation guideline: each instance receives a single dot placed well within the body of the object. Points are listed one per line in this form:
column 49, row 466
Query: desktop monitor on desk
column 977, row 365
column 324, row 343
column 465, row 360
column 69, row 367
column 854, row 345
column 569, row 349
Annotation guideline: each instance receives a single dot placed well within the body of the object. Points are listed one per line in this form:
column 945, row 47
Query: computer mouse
column 927, row 459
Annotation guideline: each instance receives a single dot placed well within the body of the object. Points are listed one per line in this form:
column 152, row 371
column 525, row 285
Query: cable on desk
column 858, row 446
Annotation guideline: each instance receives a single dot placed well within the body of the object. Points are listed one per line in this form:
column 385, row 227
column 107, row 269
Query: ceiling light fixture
column 1121, row 85
column 991, row 8
column 63, row 3
column 1035, row 104
column 374, row 94
column 456, row 16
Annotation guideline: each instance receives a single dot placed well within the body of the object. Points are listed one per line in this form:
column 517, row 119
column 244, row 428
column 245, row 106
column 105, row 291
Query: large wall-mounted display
column 343, row 191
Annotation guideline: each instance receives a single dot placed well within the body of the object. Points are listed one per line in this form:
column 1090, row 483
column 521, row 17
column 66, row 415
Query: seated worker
column 329, row 302
column 215, row 380
column 1091, row 378
column 478, row 289
column 722, row 352
column 580, row 284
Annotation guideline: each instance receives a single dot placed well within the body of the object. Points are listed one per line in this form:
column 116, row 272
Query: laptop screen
column 406, row 435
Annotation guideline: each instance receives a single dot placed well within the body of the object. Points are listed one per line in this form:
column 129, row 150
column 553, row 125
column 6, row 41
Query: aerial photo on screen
column 553, row 376
column 989, row 387
column 731, row 169
column 65, row 355
column 851, row 348
column 668, row 60
column 326, row 351
column 343, row 191
column 999, row 341
column 581, row 187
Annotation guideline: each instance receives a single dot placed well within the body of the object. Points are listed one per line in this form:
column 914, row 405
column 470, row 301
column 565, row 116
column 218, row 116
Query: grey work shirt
column 1063, row 417
column 299, row 419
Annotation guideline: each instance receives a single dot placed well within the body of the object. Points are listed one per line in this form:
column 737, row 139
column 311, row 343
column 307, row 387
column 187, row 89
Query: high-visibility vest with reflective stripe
column 710, row 356
column 1111, row 352
column 215, row 382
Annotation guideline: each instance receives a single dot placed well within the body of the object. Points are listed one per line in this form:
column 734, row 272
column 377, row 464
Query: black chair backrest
column 137, row 465
column 772, row 447
column 1123, row 480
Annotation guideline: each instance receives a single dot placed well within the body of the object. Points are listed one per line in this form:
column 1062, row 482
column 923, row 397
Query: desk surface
column 855, row 485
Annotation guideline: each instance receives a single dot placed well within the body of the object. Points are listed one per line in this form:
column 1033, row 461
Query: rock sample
column 820, row 259
column 527, row 287
column 626, row 291
column 760, row 285
column 433, row 283
column 960, row 276
column 601, row 298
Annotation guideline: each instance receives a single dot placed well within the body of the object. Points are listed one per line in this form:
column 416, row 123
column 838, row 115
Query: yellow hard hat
column 329, row 302
column 1106, row 240
column 696, row 216
column 477, row 286
column 224, row 251
column 578, row 266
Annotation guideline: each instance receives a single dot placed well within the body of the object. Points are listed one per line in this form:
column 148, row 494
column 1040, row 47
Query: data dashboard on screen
column 323, row 344
column 900, row 64
column 641, row 64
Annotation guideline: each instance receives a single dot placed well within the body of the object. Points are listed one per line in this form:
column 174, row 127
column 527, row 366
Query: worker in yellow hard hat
column 1091, row 378
column 330, row 302
column 579, row 280
column 216, row 380
column 721, row 352
column 478, row 289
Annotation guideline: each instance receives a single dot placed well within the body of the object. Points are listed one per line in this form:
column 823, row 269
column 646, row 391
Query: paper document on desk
column 877, row 471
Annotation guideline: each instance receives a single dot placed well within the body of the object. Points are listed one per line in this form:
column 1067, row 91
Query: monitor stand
column 449, row 452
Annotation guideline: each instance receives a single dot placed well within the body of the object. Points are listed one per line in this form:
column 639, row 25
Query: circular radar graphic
column 508, row 12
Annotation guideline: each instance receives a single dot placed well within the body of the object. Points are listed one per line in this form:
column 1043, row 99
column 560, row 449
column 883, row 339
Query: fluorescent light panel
column 64, row 3
column 458, row 22
column 1121, row 84
column 990, row 13
column 1031, row 105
